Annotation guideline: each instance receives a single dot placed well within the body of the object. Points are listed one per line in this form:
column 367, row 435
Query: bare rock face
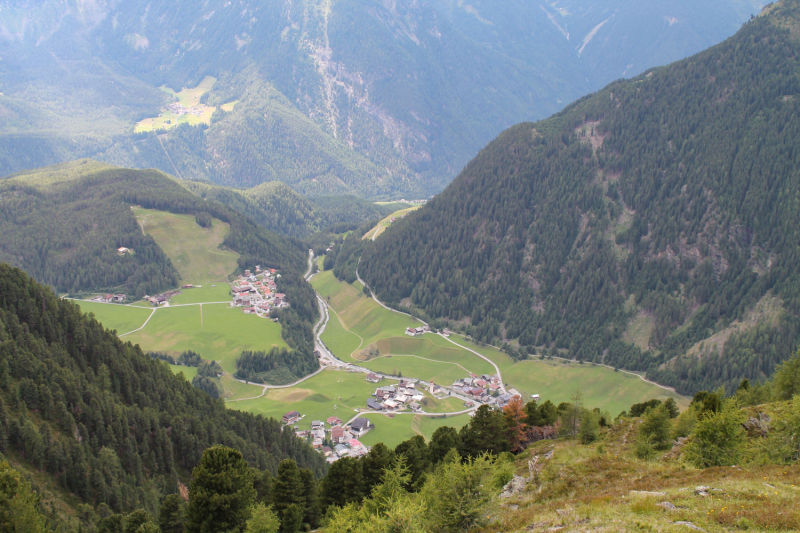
column 513, row 487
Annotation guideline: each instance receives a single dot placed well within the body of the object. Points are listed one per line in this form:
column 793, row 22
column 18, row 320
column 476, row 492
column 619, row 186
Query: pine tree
column 172, row 514
column 288, row 494
column 221, row 493
column 486, row 432
column 443, row 440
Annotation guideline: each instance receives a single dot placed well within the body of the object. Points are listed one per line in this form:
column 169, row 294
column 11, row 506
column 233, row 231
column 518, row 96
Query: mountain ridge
column 640, row 192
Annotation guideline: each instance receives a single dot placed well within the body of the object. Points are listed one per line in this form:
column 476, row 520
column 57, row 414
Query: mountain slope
column 275, row 206
column 101, row 420
column 666, row 201
column 396, row 107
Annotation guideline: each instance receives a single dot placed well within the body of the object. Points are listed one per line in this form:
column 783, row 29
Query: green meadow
column 195, row 251
column 216, row 331
column 558, row 381
column 343, row 394
column 187, row 97
column 358, row 324
column 123, row 318
column 210, row 292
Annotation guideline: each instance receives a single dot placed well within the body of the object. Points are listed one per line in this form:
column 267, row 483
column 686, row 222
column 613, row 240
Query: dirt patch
column 289, row 395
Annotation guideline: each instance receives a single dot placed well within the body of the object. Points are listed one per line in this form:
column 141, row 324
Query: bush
column 656, row 427
column 718, row 439
column 203, row 219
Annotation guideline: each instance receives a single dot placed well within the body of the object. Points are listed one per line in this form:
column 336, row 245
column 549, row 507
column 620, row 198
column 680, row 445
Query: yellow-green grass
column 221, row 334
column 187, row 98
column 122, row 318
column 41, row 178
column 167, row 120
column 445, row 405
column 381, row 226
column 233, row 389
column 427, row 424
column 329, row 393
column 193, row 250
column 229, row 106
column 210, row 292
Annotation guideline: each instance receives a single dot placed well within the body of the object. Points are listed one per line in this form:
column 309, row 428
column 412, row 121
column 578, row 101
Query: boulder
column 513, row 487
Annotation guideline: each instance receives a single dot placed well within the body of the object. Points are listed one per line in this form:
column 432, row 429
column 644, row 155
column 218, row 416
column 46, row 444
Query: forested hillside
column 638, row 223
column 100, row 420
column 275, row 206
column 63, row 225
column 355, row 96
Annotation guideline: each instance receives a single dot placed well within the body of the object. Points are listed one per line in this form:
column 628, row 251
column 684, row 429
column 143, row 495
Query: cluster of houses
column 413, row 332
column 484, row 389
column 331, row 438
column 110, row 298
column 394, row 397
column 257, row 292
column 178, row 110
column 161, row 299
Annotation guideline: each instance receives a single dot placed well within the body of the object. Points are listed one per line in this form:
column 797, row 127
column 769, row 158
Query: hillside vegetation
column 278, row 208
column 668, row 199
column 99, row 422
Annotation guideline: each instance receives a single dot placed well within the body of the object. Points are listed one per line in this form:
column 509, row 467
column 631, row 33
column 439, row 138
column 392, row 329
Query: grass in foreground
column 588, row 488
column 193, row 250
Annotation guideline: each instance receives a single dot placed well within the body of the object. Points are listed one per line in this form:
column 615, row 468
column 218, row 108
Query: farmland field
column 210, row 292
column 215, row 331
column 359, row 322
column 187, row 98
column 336, row 393
column 194, row 250
column 552, row 379
column 122, row 318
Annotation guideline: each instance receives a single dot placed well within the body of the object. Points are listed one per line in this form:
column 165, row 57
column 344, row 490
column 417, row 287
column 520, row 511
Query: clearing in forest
column 194, row 251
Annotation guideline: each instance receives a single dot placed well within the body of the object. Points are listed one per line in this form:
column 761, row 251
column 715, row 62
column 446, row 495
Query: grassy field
column 193, row 250
column 122, row 318
column 210, row 292
column 42, row 178
column 218, row 333
column 375, row 232
column 188, row 372
column 341, row 394
column 552, row 379
column 329, row 393
column 187, row 98
column 359, row 323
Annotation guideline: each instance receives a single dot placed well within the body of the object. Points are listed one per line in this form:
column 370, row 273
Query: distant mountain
column 651, row 226
column 359, row 97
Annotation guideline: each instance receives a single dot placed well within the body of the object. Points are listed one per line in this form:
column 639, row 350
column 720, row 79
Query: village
column 331, row 438
column 178, row 110
column 257, row 292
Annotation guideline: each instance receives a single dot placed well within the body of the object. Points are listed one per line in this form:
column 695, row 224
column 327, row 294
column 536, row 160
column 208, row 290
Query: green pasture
column 122, row 318
column 210, row 292
column 329, row 393
column 189, row 372
column 189, row 97
column 390, row 431
column 358, row 313
column 193, row 250
column 338, row 340
column 219, row 333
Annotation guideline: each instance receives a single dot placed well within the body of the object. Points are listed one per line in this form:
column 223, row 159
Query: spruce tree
column 288, row 495
column 172, row 514
column 221, row 493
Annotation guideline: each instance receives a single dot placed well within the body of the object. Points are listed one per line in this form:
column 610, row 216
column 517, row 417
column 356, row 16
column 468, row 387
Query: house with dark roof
column 360, row 426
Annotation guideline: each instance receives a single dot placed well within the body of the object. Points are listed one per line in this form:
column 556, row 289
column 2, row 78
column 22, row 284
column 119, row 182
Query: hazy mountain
column 355, row 96
column 651, row 225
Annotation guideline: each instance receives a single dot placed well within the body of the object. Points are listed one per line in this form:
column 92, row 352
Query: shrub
column 718, row 439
